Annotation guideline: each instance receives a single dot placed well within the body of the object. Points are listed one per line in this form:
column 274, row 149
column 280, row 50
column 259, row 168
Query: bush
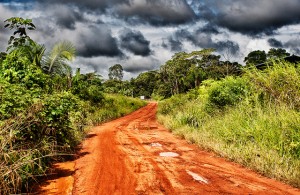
column 15, row 99
column 227, row 92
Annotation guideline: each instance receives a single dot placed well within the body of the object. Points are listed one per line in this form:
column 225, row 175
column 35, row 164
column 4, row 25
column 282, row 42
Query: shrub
column 15, row 99
column 229, row 91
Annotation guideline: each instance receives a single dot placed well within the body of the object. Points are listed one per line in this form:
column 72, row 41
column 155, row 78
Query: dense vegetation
column 245, row 114
column 45, row 110
column 253, row 119
column 249, row 114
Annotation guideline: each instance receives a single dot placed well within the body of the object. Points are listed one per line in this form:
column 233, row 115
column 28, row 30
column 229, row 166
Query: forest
column 247, row 113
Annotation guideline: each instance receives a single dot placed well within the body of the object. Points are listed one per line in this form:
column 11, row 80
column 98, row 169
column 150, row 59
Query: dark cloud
column 97, row 41
column 159, row 12
column 141, row 64
column 202, row 38
column 250, row 17
column 135, row 42
column 67, row 17
column 275, row 43
column 293, row 46
column 90, row 5
column 209, row 29
column 227, row 46
column 174, row 44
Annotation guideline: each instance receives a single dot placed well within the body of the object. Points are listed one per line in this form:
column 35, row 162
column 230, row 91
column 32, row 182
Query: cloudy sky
column 142, row 34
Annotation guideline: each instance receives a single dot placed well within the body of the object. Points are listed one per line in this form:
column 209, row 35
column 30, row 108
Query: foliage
column 87, row 87
column 56, row 60
column 277, row 53
column 255, row 57
column 227, row 92
column 15, row 98
column 20, row 26
column 116, row 72
column 44, row 109
column 258, row 127
column 276, row 84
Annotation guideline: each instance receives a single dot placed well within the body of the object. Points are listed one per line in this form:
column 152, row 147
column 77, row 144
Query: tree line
column 185, row 71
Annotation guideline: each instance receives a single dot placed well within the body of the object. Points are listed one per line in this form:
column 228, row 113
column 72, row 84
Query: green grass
column 261, row 130
column 22, row 160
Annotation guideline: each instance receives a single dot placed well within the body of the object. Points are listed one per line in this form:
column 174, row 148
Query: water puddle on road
column 168, row 154
column 155, row 145
column 197, row 177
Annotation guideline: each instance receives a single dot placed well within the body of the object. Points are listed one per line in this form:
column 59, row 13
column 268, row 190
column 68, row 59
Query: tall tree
column 278, row 53
column 116, row 72
column 255, row 57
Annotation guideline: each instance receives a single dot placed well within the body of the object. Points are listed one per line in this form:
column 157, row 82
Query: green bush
column 15, row 99
column 227, row 92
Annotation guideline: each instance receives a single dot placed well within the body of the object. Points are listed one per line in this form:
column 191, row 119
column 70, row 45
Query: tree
column 256, row 57
column 26, row 46
column 116, row 72
column 277, row 53
column 145, row 83
column 179, row 71
column 20, row 26
column 56, row 62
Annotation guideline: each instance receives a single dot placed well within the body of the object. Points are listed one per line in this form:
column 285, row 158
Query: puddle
column 197, row 177
column 155, row 145
column 168, row 154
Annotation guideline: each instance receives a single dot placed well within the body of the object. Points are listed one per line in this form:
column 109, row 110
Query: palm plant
column 55, row 62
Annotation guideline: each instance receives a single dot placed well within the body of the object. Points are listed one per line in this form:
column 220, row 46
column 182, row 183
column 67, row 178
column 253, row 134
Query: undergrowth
column 253, row 120
column 49, row 130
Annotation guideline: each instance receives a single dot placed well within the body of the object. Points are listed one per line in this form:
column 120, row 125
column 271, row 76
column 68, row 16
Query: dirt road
column 136, row 155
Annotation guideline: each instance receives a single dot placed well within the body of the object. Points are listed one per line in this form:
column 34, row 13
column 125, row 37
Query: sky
column 142, row 35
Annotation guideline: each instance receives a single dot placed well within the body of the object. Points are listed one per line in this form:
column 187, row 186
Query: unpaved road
column 124, row 157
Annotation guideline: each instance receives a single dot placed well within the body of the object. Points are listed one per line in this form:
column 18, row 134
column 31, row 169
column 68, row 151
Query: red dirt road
column 123, row 157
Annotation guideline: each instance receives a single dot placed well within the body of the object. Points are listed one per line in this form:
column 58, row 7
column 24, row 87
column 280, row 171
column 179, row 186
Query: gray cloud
column 67, row 17
column 135, row 42
column 293, row 45
column 173, row 43
column 275, row 43
column 90, row 5
column 228, row 46
column 97, row 41
column 202, row 37
column 140, row 64
column 251, row 17
column 158, row 13
column 167, row 26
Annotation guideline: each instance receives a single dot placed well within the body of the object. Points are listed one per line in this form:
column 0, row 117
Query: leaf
column 32, row 25
column 7, row 25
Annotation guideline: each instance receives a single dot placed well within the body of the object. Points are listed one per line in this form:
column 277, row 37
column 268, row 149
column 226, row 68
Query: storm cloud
column 97, row 41
column 203, row 38
column 135, row 42
column 157, row 13
column 275, row 43
column 251, row 17
column 143, row 34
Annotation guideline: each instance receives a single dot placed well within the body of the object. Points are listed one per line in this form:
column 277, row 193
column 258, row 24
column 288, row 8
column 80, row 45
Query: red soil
column 123, row 157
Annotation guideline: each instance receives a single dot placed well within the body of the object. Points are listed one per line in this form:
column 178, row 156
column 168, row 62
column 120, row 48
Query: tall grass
column 260, row 130
column 115, row 106
column 23, row 160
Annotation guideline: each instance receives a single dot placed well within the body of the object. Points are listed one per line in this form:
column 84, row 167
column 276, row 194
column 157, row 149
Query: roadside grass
column 115, row 106
column 23, row 160
column 260, row 129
